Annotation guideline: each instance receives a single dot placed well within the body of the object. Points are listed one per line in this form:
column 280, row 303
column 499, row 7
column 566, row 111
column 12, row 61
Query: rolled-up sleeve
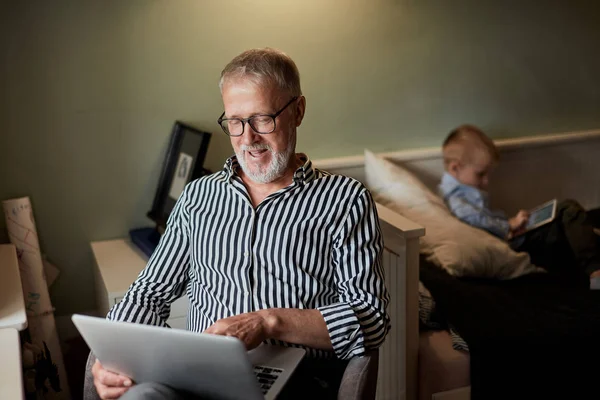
column 359, row 320
column 479, row 217
column 163, row 280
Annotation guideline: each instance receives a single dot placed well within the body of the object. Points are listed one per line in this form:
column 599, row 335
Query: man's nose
column 249, row 136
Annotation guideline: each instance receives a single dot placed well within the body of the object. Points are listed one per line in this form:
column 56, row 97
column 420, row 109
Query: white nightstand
column 13, row 318
column 11, row 376
column 118, row 264
column 12, row 303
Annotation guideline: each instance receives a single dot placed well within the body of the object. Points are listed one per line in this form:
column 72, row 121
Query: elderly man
column 270, row 249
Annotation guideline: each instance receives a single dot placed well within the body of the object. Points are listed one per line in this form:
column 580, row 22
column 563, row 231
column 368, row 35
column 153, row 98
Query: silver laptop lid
column 204, row 364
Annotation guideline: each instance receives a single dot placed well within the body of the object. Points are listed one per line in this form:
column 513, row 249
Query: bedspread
column 528, row 337
column 431, row 319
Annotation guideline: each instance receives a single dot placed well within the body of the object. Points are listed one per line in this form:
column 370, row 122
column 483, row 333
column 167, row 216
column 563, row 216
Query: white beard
column 276, row 168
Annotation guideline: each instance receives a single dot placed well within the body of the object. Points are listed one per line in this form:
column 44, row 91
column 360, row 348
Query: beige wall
column 92, row 89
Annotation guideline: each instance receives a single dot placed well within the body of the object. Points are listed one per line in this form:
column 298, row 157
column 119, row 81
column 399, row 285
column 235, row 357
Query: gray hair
column 265, row 65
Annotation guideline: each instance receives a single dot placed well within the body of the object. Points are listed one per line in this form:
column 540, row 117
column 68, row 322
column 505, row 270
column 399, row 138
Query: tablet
column 541, row 215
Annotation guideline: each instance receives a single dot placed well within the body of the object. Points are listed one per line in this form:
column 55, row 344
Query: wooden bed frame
column 532, row 170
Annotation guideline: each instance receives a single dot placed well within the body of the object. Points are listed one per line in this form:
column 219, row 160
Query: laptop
column 199, row 363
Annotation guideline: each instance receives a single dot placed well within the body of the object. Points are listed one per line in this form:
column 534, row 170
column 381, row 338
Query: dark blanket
column 537, row 336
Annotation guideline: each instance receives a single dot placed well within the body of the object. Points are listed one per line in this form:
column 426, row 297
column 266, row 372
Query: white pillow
column 448, row 242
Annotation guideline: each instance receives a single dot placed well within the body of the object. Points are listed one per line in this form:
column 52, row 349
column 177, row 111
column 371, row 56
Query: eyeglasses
column 260, row 123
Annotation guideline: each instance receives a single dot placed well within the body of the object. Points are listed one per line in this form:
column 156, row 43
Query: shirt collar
column 304, row 174
column 450, row 184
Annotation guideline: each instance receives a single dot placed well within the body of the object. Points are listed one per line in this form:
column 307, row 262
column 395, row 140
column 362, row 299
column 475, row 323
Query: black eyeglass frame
column 247, row 120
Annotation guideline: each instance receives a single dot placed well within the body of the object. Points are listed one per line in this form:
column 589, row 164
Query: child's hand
column 518, row 222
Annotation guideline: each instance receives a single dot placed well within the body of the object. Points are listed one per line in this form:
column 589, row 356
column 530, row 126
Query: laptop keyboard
column 266, row 376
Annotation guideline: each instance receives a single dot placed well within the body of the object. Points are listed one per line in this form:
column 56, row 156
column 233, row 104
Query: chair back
column 360, row 378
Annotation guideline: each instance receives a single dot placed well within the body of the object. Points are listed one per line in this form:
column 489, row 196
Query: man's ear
column 300, row 108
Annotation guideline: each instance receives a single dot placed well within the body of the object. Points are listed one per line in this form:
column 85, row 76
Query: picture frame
column 184, row 162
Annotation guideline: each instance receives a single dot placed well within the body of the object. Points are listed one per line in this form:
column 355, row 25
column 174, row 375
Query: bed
column 426, row 363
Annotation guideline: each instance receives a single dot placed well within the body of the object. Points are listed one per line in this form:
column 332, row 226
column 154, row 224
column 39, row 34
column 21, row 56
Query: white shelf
column 118, row 264
column 11, row 378
column 12, row 304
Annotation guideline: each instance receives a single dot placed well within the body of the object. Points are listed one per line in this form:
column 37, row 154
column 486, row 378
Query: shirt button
column 247, row 293
column 246, row 253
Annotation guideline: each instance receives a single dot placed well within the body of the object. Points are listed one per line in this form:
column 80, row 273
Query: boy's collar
column 449, row 183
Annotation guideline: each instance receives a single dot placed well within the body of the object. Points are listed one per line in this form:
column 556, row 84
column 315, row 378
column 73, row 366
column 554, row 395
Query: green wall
column 90, row 90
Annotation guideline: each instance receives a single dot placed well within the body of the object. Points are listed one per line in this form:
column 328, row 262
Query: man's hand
column 518, row 222
column 109, row 385
column 250, row 328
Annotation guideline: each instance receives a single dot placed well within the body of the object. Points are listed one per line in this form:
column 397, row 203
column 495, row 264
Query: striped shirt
column 315, row 244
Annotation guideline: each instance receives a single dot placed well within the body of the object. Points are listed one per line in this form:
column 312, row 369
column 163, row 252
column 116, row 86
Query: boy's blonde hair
column 466, row 143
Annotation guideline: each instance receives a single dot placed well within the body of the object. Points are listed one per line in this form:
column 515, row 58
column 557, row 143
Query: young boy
column 568, row 241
